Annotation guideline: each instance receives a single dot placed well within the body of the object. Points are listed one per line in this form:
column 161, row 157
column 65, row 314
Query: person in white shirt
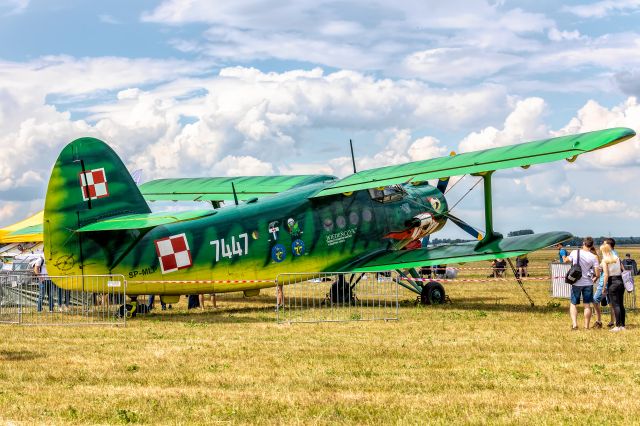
column 583, row 288
column 613, row 285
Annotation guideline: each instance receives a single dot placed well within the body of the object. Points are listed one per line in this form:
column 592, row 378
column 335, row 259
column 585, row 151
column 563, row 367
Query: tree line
column 575, row 241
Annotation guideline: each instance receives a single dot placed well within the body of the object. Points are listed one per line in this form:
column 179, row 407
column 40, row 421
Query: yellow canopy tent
column 26, row 231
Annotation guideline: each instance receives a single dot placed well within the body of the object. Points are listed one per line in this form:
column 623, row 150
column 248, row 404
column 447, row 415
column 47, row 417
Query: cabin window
column 387, row 194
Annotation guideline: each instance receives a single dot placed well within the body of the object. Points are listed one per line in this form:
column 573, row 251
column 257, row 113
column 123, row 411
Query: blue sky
column 205, row 88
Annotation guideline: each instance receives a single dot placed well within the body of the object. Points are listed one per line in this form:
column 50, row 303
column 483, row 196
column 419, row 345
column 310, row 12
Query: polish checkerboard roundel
column 94, row 184
column 173, row 253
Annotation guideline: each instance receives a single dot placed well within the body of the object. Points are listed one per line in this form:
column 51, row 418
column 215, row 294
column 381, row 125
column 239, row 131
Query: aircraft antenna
column 353, row 158
column 235, row 196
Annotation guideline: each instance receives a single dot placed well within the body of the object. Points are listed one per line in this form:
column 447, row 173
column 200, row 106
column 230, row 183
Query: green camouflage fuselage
column 236, row 247
column 253, row 241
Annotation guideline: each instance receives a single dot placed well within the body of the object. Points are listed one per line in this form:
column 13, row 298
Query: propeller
column 461, row 223
column 442, row 184
column 464, row 226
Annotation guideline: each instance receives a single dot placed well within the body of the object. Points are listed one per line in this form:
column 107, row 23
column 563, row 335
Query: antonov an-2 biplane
column 96, row 220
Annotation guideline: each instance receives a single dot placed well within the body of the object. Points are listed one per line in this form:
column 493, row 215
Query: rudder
column 88, row 183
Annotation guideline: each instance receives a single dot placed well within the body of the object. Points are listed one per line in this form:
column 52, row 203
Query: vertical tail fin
column 89, row 182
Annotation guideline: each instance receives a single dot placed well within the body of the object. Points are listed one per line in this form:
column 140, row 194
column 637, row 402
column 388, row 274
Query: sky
column 185, row 88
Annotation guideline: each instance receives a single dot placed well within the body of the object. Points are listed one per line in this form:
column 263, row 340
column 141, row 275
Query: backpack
column 575, row 273
column 627, row 279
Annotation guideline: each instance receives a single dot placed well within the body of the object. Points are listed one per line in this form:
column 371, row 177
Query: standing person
column 611, row 243
column 64, row 296
column 583, row 288
column 630, row 264
column 209, row 296
column 612, row 269
column 597, row 297
column 45, row 284
column 562, row 252
column 521, row 264
column 193, row 301
column 501, row 268
column 152, row 299
column 279, row 297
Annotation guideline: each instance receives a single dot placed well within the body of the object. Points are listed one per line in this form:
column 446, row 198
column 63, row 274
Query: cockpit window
column 387, row 194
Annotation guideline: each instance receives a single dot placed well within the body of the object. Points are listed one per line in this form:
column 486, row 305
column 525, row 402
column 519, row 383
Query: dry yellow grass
column 486, row 358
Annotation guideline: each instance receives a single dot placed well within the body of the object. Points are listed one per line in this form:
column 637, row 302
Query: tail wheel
column 433, row 294
column 128, row 310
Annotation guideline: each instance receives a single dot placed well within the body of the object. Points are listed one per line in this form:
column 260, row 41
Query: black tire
column 432, row 294
column 341, row 292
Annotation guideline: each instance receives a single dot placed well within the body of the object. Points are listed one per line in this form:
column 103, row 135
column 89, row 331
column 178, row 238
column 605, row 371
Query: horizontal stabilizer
column 521, row 155
column 386, row 260
column 220, row 189
column 144, row 220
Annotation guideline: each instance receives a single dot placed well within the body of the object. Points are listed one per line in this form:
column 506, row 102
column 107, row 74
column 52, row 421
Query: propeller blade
column 465, row 227
column 442, row 184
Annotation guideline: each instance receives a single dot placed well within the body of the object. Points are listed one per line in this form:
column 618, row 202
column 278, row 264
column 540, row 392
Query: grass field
column 488, row 357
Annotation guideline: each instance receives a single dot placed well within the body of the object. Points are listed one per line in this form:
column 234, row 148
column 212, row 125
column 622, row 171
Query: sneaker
column 615, row 329
column 597, row 324
column 574, row 327
column 610, row 325
column 622, row 328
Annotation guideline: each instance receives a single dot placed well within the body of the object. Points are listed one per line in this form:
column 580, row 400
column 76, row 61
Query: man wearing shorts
column 583, row 288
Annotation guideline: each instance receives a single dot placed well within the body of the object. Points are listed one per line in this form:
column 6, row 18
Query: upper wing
column 386, row 260
column 219, row 188
column 521, row 155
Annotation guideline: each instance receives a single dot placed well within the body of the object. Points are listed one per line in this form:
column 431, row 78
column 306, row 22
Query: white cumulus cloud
column 603, row 8
column 523, row 124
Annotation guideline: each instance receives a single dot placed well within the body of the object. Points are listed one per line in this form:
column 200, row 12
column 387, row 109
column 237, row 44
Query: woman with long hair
column 613, row 285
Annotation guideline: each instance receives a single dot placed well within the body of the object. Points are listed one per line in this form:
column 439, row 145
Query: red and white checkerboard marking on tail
column 173, row 253
column 94, row 184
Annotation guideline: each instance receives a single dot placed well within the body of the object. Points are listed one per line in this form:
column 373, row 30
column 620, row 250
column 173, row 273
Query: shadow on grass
column 259, row 311
column 477, row 303
column 19, row 355
column 235, row 315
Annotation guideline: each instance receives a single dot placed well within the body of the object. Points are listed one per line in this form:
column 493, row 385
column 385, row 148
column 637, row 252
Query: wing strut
column 490, row 234
column 519, row 279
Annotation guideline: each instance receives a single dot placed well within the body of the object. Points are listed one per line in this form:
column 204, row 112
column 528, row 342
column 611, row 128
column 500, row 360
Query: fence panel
column 559, row 288
column 562, row 290
column 69, row 300
column 322, row 297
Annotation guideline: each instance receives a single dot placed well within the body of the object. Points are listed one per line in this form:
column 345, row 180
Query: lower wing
column 385, row 260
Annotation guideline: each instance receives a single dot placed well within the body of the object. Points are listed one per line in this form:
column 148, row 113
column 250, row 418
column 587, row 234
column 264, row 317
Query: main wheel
column 341, row 292
column 432, row 294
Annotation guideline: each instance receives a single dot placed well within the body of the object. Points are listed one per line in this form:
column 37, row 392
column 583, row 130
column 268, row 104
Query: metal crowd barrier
column 62, row 300
column 331, row 297
column 561, row 290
